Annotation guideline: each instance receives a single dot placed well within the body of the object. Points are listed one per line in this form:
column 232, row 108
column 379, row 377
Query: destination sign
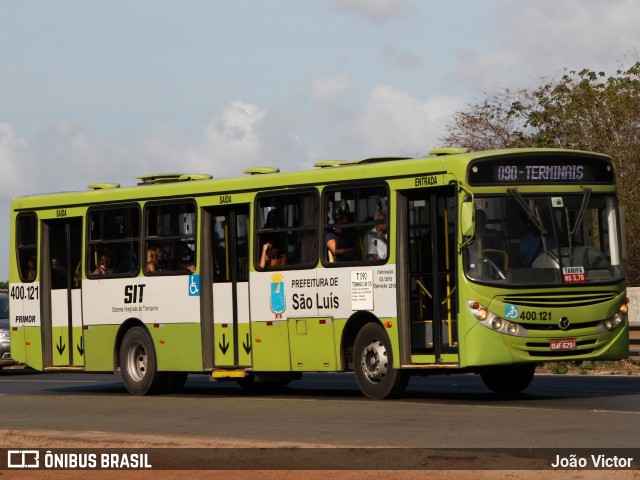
column 541, row 169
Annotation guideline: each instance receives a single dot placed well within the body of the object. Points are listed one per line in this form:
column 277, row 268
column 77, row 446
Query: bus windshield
column 548, row 239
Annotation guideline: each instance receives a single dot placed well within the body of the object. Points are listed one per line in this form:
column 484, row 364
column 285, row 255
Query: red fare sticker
column 573, row 275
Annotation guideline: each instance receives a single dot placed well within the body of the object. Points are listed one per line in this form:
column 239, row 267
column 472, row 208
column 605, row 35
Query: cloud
column 19, row 176
column 487, row 71
column 374, row 10
column 233, row 140
column 336, row 121
column 18, row 168
column 394, row 122
column 573, row 33
column 388, row 122
column 401, row 58
column 328, row 90
column 543, row 38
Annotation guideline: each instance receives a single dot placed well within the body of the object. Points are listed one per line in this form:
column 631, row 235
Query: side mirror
column 467, row 219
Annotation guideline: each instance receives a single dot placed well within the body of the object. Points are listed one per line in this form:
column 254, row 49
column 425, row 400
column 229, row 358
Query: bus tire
column 508, row 379
column 138, row 364
column 373, row 364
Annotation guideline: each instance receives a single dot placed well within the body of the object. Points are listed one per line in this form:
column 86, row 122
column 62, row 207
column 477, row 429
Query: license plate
column 564, row 344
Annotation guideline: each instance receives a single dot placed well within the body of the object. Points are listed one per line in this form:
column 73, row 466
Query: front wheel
column 138, row 364
column 508, row 379
column 373, row 364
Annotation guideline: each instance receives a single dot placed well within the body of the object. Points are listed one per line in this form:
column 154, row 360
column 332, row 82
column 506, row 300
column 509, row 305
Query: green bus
column 460, row 262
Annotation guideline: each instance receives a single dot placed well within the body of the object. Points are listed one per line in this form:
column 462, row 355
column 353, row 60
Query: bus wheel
column 508, row 379
column 138, row 363
column 373, row 364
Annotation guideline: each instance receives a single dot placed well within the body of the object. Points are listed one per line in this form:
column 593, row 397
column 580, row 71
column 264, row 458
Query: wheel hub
column 137, row 362
column 374, row 361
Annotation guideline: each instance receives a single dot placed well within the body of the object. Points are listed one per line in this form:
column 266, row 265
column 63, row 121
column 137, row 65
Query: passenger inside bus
column 272, row 251
column 377, row 238
column 31, row 270
column 152, row 259
column 185, row 260
column 104, row 266
column 340, row 245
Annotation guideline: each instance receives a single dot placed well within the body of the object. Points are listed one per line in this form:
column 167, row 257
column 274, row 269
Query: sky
column 104, row 91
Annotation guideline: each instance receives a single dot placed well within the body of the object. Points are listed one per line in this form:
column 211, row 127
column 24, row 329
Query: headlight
column 4, row 334
column 494, row 322
column 612, row 323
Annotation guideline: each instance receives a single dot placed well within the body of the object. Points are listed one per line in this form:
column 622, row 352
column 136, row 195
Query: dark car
column 5, row 348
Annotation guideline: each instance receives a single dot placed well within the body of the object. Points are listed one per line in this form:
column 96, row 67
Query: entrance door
column 228, row 272
column 62, row 302
column 428, row 264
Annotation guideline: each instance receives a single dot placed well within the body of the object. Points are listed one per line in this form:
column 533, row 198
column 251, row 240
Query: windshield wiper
column 583, row 208
column 578, row 221
column 531, row 213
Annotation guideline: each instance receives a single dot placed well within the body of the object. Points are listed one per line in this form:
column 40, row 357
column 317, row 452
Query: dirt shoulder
column 50, row 439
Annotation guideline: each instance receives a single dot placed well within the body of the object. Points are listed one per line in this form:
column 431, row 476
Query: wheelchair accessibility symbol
column 510, row 311
column 194, row 285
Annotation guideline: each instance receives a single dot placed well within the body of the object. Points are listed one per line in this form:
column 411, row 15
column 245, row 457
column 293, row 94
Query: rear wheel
column 508, row 379
column 138, row 364
column 373, row 364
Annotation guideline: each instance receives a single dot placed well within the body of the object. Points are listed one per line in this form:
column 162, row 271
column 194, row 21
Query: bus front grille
column 556, row 327
column 551, row 300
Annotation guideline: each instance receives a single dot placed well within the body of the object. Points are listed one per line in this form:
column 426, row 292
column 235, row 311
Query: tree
column 582, row 110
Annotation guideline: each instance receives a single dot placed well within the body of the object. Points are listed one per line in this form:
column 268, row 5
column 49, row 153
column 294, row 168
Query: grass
column 621, row 367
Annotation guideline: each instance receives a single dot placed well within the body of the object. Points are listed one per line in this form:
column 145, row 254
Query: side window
column 114, row 241
column 26, row 246
column 355, row 222
column 170, row 238
column 287, row 230
column 229, row 234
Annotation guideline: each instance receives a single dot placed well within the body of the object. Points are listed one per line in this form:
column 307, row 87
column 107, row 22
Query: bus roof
column 446, row 160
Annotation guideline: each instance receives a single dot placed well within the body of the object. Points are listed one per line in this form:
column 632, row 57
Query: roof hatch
column 261, row 170
column 156, row 178
column 103, row 186
column 448, row 151
column 348, row 163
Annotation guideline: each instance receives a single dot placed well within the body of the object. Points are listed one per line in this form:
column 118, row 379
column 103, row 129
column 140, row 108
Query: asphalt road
column 437, row 412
